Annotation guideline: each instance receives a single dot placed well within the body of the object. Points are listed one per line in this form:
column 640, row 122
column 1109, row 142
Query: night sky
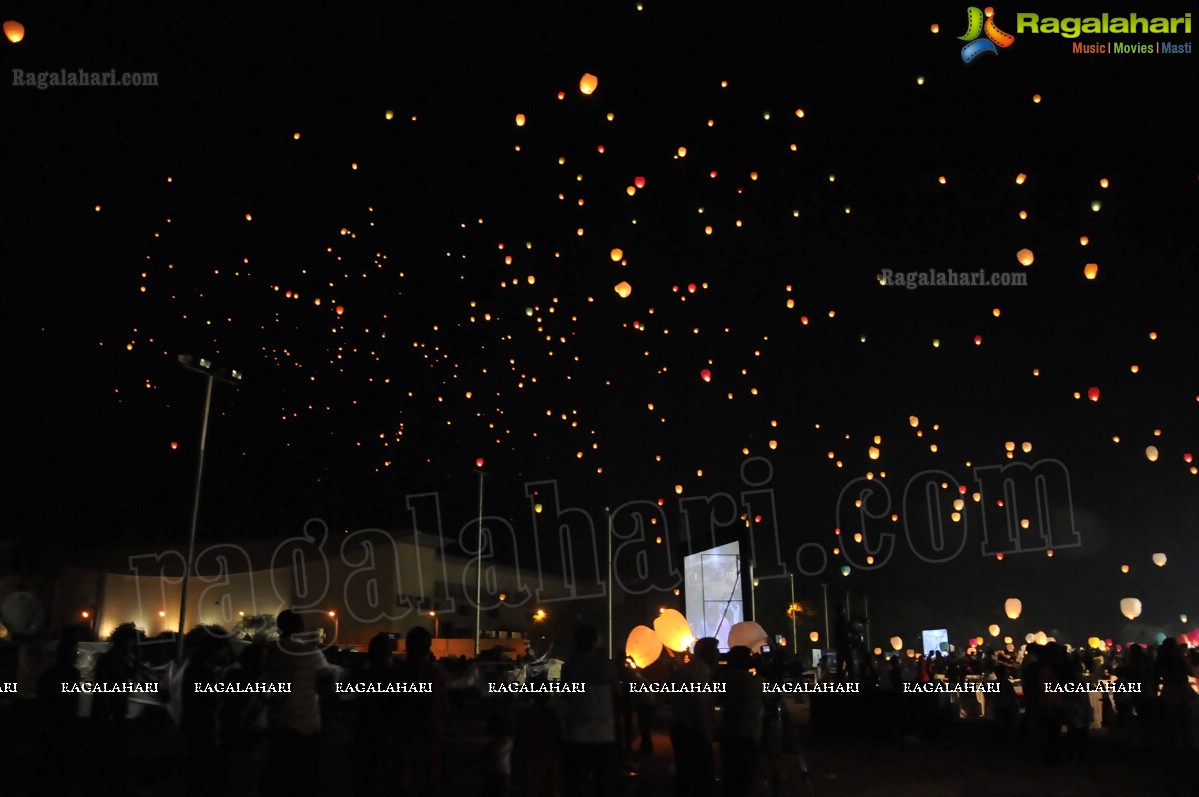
column 340, row 202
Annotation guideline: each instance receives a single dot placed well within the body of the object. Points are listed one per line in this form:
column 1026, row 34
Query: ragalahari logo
column 979, row 23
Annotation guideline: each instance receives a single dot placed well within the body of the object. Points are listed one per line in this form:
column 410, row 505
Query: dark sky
column 341, row 416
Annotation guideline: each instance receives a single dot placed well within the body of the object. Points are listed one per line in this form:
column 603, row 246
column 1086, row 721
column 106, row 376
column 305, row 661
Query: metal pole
column 794, row 639
column 479, row 572
column 753, row 593
column 866, row 610
column 608, row 512
column 824, row 592
column 191, row 537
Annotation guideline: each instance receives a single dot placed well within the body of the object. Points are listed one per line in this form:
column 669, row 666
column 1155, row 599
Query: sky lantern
column 1025, row 257
column 616, row 254
column 993, row 629
column 814, row 636
column 14, row 31
column 674, row 631
column 1151, row 453
column 623, row 289
column 643, row 646
column 520, row 120
column 639, row 181
column 896, row 643
column 1090, row 270
column 845, row 570
column 1130, row 607
column 479, row 462
column 1012, row 608
column 748, row 634
column 1029, row 638
column 588, row 82
column 1040, row 638
column 1159, row 559
column 872, row 452
column 1094, row 642
column 339, row 310
column 1093, row 393
column 705, row 375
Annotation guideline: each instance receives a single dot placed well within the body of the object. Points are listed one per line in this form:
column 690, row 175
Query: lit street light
column 205, row 368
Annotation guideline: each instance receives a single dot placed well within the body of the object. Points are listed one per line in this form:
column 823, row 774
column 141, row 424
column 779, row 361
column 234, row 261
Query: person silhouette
column 422, row 731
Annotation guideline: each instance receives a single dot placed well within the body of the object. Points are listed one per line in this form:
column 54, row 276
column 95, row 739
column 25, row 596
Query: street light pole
column 204, row 367
column 794, row 639
column 608, row 512
column 191, row 534
column 479, row 569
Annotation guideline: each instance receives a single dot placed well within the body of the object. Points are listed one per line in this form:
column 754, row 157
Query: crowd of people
column 724, row 741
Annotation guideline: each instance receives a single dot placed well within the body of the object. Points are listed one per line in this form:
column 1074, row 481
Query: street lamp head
column 203, row 365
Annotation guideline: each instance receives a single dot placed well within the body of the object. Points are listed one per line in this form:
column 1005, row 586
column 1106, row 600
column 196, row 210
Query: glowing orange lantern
column 14, row 30
column 623, row 289
column 1012, row 608
column 674, row 631
column 588, row 83
column 1025, row 257
column 643, row 646
column 1090, row 270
